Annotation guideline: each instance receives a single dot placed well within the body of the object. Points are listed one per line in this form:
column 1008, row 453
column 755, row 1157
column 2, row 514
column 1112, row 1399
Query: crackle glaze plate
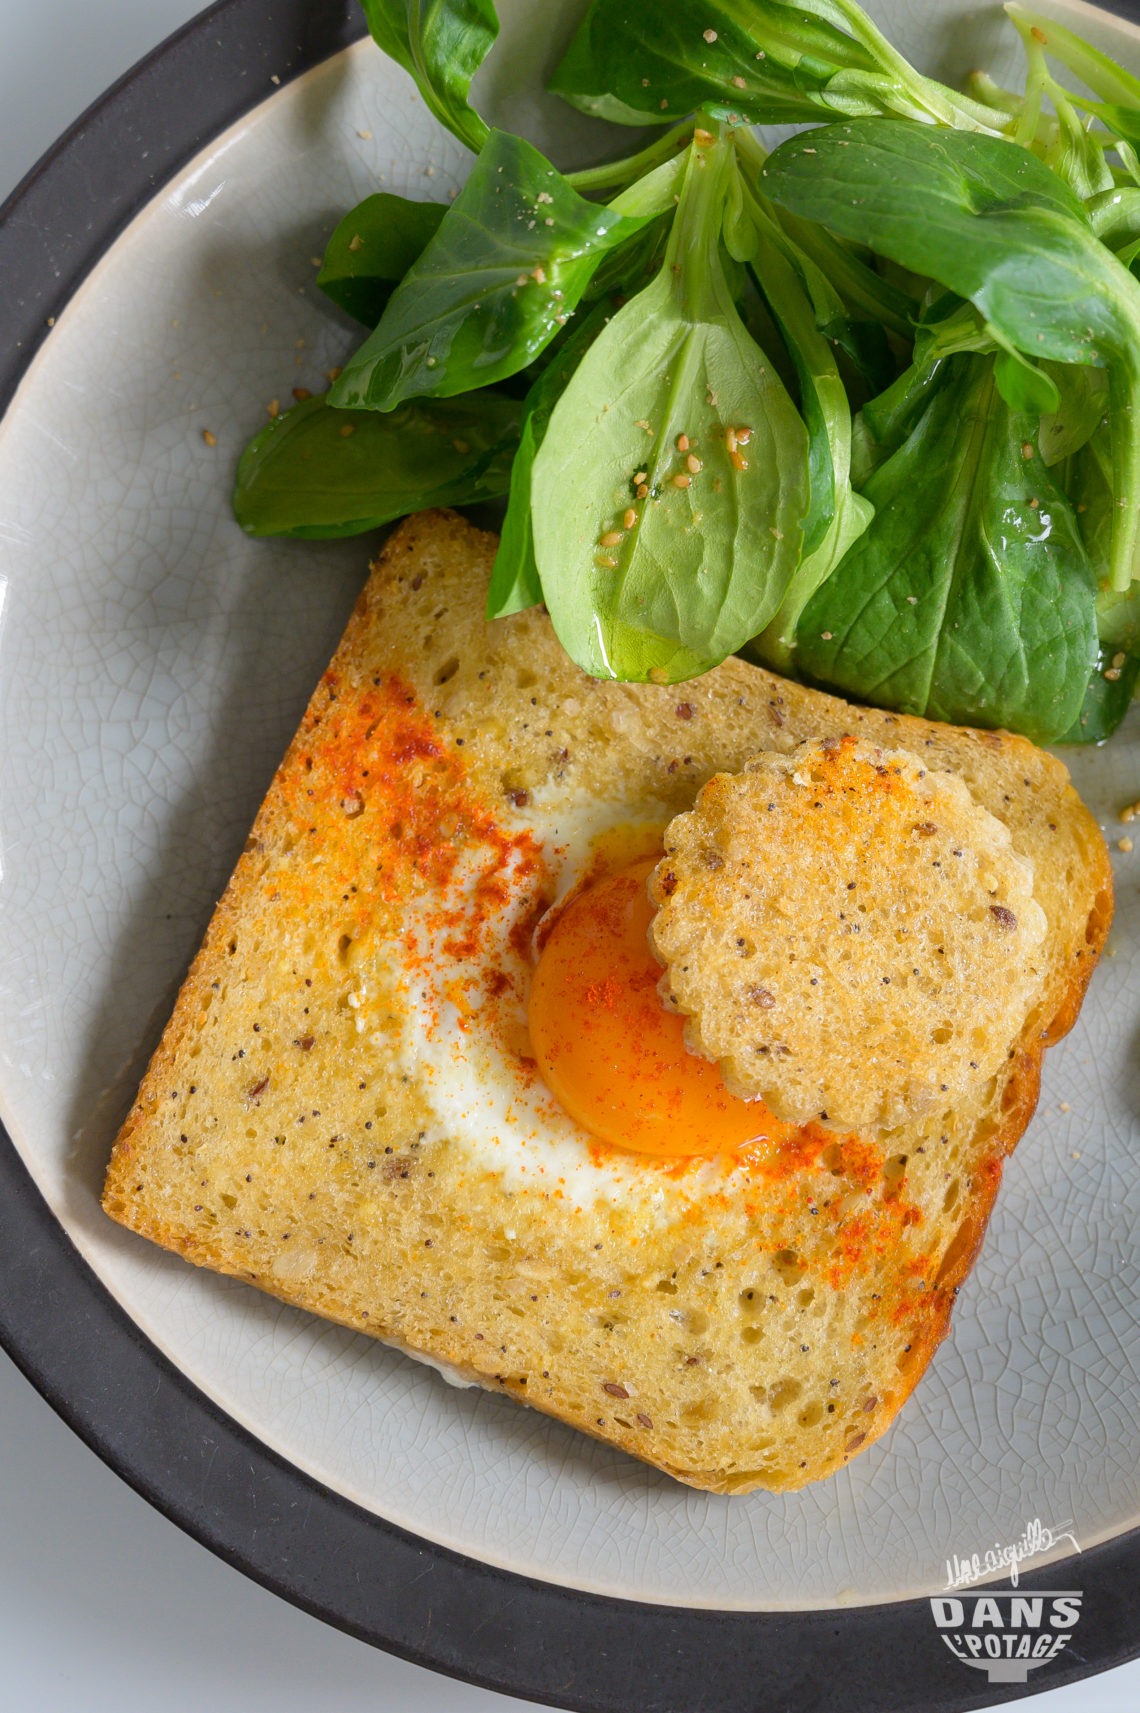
column 153, row 664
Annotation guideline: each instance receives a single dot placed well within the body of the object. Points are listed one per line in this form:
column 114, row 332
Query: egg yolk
column 606, row 1046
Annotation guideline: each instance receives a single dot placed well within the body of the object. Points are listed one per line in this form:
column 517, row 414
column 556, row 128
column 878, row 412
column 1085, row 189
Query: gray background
column 103, row 1603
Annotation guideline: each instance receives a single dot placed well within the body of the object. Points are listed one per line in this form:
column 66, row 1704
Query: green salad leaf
column 751, row 59
column 990, row 222
column 372, row 249
column 505, row 270
column 969, row 597
column 764, row 61
column 668, row 491
column 319, row 472
column 442, row 43
column 866, row 409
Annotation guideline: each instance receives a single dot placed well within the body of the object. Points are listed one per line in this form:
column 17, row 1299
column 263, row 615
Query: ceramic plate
column 153, row 664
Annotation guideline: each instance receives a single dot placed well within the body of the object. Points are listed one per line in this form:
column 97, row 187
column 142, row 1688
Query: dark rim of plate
column 165, row 1438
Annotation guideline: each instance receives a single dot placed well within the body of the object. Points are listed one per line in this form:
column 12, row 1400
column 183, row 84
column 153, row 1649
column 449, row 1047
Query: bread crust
column 273, row 1142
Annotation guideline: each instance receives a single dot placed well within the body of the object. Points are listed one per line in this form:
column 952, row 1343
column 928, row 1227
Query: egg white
column 483, row 1096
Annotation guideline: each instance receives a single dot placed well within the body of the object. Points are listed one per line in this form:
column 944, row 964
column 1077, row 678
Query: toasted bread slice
column 344, row 1112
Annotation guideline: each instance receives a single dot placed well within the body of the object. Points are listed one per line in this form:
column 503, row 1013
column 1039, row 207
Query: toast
column 318, row 1118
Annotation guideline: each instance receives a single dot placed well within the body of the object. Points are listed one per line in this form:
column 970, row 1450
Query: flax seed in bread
column 343, row 1110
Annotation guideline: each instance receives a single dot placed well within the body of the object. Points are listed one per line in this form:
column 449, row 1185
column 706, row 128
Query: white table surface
column 103, row 1603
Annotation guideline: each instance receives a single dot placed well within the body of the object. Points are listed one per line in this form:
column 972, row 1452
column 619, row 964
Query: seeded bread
column 740, row 1323
column 850, row 935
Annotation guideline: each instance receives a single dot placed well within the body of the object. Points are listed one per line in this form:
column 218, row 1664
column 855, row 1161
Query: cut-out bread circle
column 850, row 935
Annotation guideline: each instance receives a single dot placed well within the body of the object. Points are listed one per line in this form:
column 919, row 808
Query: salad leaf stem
column 614, row 175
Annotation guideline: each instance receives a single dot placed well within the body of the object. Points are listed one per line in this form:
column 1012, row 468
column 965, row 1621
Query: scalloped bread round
column 850, row 935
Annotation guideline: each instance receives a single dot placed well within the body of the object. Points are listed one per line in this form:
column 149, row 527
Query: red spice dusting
column 426, row 818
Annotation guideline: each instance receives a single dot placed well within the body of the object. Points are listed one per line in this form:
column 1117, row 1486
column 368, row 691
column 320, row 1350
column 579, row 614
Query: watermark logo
column 1005, row 1633
column 1037, row 1539
column 1002, row 1631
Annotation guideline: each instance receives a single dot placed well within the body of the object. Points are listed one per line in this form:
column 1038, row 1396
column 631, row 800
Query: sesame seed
column 629, row 518
column 605, row 562
column 610, row 538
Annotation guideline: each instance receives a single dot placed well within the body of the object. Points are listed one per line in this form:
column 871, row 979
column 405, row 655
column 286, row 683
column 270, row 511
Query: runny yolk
column 606, row 1046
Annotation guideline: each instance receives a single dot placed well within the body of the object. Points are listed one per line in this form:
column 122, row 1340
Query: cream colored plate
column 153, row 663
